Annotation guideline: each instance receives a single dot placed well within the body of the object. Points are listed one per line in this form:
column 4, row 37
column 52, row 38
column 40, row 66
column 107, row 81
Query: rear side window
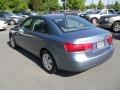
column 40, row 26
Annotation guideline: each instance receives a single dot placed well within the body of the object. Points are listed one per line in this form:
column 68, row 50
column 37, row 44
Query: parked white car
column 95, row 15
column 3, row 25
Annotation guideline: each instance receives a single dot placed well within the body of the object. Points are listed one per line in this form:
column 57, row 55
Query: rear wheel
column 116, row 27
column 48, row 62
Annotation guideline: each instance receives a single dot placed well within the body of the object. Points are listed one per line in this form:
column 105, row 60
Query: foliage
column 17, row 5
column 13, row 5
column 76, row 4
column 50, row 5
column 3, row 5
column 101, row 5
column 116, row 5
column 53, row 5
column 36, row 5
column 44, row 5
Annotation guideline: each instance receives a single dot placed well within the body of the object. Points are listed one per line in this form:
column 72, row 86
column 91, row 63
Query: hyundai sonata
column 61, row 41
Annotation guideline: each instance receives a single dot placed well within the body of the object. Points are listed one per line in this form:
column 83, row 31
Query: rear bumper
column 3, row 26
column 76, row 63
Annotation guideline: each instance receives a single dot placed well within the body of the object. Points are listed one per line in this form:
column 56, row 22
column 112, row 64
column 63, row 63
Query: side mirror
column 21, row 31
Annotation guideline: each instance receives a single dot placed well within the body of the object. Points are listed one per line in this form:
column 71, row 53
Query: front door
column 23, row 36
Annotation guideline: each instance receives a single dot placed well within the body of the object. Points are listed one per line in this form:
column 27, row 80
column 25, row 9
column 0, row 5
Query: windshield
column 70, row 23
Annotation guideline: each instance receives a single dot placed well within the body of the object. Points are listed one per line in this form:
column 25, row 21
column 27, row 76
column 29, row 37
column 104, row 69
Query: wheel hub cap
column 47, row 61
column 117, row 27
column 12, row 42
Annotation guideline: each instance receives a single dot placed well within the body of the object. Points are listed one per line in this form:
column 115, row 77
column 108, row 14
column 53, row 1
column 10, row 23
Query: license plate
column 100, row 44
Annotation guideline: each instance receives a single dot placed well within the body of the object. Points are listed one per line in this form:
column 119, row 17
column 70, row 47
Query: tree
column 3, row 5
column 101, row 5
column 92, row 6
column 13, row 5
column 116, row 5
column 76, row 4
column 44, row 5
column 17, row 5
column 53, row 5
column 37, row 5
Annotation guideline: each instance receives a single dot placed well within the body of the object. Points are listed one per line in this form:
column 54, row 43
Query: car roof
column 52, row 15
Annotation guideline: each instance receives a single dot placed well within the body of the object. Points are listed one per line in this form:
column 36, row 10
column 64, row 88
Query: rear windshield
column 70, row 23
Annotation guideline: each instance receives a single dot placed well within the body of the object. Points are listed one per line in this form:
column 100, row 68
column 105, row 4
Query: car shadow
column 1, row 30
column 38, row 62
column 116, row 36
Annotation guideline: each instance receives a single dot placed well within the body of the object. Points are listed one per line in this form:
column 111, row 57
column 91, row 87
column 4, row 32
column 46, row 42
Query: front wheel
column 12, row 22
column 94, row 20
column 48, row 62
column 12, row 42
column 116, row 27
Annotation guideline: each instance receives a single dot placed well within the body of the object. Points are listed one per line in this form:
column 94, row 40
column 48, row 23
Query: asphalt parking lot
column 20, row 70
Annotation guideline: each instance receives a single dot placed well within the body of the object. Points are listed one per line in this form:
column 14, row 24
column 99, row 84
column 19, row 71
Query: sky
column 96, row 1
column 105, row 1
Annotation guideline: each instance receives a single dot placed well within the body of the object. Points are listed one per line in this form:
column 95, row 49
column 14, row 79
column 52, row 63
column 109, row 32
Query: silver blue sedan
column 61, row 41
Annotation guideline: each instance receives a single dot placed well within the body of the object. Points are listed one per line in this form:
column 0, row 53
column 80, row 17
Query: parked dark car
column 111, row 22
column 62, row 41
column 25, row 14
column 10, row 18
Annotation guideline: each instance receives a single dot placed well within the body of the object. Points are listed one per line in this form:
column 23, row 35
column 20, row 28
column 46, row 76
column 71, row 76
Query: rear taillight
column 78, row 47
column 109, row 39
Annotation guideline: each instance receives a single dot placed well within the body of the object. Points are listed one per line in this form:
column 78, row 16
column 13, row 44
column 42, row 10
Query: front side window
column 27, row 24
column 70, row 23
column 104, row 12
column 40, row 26
column 110, row 11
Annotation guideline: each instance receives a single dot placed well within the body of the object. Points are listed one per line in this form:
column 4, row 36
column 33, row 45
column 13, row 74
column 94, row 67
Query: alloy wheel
column 116, row 27
column 47, row 62
column 94, row 21
column 12, row 42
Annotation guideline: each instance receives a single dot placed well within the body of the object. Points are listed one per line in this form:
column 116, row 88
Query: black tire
column 94, row 21
column 52, row 69
column 116, row 27
column 12, row 22
column 13, row 43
